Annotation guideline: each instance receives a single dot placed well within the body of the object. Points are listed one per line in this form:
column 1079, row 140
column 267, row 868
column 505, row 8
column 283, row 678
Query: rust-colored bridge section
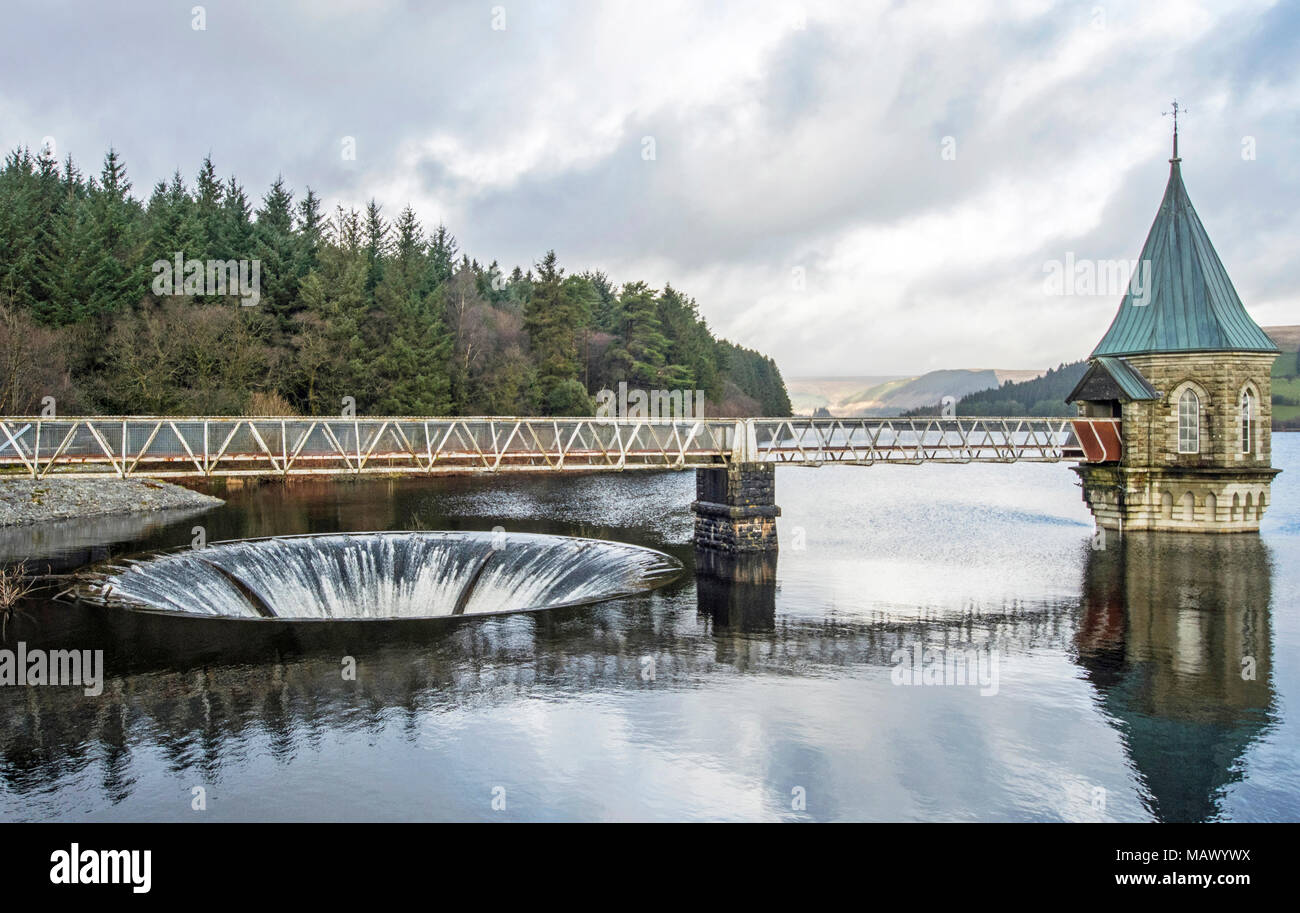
column 205, row 447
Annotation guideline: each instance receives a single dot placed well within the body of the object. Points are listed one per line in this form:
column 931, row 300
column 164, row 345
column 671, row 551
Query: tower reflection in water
column 1175, row 635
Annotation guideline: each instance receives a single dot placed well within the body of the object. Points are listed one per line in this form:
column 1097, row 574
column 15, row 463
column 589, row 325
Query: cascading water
column 379, row 576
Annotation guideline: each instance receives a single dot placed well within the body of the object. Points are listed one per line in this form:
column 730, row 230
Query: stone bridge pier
column 735, row 521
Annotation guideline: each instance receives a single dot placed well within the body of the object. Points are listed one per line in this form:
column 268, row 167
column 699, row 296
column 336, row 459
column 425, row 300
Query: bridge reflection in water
column 1160, row 632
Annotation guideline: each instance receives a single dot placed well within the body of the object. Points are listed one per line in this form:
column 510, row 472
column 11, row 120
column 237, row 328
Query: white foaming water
column 381, row 575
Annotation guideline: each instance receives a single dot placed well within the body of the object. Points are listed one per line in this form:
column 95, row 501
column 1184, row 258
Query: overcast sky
column 853, row 187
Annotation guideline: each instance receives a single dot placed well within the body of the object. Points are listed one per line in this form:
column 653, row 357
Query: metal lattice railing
column 189, row 447
column 916, row 440
column 160, row 447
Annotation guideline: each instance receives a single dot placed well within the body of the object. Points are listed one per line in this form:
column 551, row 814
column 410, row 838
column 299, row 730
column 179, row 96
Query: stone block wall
column 1219, row 488
column 1151, row 428
column 735, row 508
column 1205, row 501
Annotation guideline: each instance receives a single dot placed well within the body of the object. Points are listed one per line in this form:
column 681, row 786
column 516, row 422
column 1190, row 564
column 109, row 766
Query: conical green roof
column 1191, row 305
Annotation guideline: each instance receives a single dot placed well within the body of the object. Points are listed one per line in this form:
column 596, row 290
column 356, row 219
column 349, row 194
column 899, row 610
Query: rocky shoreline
column 26, row 501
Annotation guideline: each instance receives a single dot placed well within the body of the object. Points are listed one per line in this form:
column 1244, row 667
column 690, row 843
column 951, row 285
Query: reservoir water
column 1148, row 679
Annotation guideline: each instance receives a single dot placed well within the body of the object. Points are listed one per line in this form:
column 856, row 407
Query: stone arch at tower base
column 1221, row 500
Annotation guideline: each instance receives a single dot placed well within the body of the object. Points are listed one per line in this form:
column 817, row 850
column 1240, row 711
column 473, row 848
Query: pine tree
column 376, row 235
column 166, row 217
column 330, row 357
column 410, row 370
column 115, row 275
column 29, row 193
column 684, row 358
column 640, row 355
column 345, row 230
column 553, row 318
column 442, row 257
column 310, row 234
column 277, row 249
column 235, row 238
column 62, row 248
column 203, row 231
column 605, row 316
column 408, row 247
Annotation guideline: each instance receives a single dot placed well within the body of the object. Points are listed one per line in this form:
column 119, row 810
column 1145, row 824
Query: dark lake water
column 1153, row 679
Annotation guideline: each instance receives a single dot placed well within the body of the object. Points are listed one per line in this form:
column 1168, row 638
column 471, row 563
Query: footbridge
column 208, row 447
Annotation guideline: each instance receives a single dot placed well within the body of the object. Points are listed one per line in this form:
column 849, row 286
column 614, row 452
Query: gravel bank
column 24, row 501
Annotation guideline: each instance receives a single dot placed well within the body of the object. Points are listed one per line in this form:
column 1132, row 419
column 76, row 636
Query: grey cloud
column 837, row 130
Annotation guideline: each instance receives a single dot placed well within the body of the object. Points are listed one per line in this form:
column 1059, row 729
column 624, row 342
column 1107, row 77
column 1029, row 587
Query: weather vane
column 1174, row 109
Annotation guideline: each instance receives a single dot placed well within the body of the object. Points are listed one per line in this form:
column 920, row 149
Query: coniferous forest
column 353, row 303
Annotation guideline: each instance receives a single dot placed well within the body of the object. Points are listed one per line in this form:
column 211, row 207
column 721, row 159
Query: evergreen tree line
column 352, row 304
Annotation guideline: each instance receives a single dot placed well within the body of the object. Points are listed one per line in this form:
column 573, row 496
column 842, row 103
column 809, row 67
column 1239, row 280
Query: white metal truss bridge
column 205, row 447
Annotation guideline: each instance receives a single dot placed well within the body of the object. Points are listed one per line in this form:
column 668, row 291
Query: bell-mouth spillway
column 376, row 576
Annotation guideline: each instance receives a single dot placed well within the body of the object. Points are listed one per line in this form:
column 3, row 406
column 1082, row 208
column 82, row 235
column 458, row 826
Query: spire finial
column 1174, row 109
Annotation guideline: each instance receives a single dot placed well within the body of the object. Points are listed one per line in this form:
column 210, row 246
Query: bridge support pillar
column 735, row 516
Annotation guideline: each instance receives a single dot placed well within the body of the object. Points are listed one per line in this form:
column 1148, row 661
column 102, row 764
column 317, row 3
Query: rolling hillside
column 808, row 394
column 1001, row 392
column 1038, row 396
column 1286, row 378
column 884, row 396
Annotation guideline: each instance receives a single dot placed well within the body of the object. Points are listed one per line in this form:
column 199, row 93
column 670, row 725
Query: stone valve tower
column 1186, row 370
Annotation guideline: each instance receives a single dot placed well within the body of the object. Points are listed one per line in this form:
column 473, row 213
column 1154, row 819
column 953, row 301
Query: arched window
column 1189, row 422
column 1247, row 420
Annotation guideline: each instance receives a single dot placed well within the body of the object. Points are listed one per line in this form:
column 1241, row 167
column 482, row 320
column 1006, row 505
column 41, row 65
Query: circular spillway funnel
column 387, row 575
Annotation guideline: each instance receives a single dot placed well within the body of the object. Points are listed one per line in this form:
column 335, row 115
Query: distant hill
column 898, row 396
column 1040, row 396
column 1287, row 338
column 808, row 394
column 1012, row 393
column 1046, row 395
column 1286, row 378
column 892, row 395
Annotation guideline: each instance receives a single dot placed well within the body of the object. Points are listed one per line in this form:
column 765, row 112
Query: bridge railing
column 163, row 447
column 916, row 440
